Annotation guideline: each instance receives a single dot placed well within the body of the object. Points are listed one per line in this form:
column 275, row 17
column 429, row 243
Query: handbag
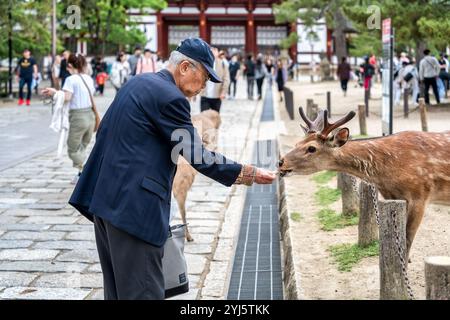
column 94, row 108
column 176, row 279
column 408, row 76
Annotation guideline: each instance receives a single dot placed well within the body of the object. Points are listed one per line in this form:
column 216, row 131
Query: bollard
column 366, row 101
column 367, row 225
column 350, row 199
column 423, row 114
column 405, row 103
column 392, row 282
column 362, row 120
column 437, row 278
column 329, row 103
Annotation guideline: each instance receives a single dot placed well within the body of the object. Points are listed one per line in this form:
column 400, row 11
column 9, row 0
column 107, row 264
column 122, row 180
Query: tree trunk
column 108, row 25
column 420, row 46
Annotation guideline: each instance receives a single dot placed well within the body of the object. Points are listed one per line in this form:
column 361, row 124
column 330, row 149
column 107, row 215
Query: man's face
column 191, row 78
column 66, row 55
column 26, row 54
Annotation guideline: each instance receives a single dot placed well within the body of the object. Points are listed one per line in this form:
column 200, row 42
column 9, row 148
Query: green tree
column 418, row 23
column 106, row 22
column 31, row 27
column 310, row 11
column 103, row 22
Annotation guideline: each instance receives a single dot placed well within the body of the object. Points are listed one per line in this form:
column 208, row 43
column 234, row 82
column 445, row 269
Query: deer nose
column 280, row 163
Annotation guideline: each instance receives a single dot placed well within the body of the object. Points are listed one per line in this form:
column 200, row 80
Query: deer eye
column 311, row 149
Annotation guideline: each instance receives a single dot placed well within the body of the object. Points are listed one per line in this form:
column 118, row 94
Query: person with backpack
column 428, row 72
column 410, row 80
column 146, row 63
column 368, row 72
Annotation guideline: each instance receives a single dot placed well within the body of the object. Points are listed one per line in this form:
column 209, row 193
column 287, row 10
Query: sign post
column 387, row 80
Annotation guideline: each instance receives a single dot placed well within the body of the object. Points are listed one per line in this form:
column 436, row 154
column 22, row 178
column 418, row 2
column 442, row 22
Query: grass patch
column 348, row 255
column 296, row 216
column 324, row 177
column 361, row 136
column 326, row 196
column 330, row 220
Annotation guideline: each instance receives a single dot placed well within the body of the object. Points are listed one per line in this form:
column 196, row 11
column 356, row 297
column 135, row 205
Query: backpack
column 408, row 76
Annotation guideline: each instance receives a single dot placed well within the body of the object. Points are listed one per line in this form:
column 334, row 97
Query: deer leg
column 415, row 215
column 181, row 200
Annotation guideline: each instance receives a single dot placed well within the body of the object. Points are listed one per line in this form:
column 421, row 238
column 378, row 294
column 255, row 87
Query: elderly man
column 126, row 184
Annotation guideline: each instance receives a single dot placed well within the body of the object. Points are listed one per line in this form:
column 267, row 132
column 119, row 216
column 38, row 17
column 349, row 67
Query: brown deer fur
column 207, row 124
column 412, row 166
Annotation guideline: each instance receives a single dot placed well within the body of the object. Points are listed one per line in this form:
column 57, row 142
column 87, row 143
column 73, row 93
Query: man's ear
column 341, row 137
column 183, row 67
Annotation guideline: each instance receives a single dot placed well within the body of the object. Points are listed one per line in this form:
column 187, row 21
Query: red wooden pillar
column 163, row 40
column 203, row 30
column 250, row 31
column 293, row 48
column 329, row 44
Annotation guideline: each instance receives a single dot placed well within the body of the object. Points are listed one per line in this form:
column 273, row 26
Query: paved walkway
column 47, row 249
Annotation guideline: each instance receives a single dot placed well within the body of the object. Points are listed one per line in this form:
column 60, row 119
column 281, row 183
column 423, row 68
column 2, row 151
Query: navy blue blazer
column 127, row 179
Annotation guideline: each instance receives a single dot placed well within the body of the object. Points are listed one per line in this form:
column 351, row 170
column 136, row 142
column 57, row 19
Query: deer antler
column 328, row 126
column 312, row 126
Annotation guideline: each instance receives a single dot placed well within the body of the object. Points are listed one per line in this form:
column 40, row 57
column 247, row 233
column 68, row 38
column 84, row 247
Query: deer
column 411, row 165
column 207, row 124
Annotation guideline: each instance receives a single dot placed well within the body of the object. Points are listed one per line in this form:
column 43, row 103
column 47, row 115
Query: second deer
column 207, row 124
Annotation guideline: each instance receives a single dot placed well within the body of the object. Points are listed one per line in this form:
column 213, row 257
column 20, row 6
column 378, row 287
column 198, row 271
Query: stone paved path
column 47, row 249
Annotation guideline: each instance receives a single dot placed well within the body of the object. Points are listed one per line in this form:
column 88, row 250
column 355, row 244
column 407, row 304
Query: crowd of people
column 253, row 70
column 409, row 78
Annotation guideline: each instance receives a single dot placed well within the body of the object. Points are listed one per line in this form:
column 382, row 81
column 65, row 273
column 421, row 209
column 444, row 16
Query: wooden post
column 362, row 120
column 329, row 103
column 350, row 199
column 367, row 226
column 405, row 103
column 311, row 109
column 309, row 104
column 366, row 101
column 423, row 114
column 392, row 283
column 437, row 278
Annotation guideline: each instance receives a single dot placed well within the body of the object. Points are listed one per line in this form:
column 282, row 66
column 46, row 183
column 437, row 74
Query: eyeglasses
column 206, row 75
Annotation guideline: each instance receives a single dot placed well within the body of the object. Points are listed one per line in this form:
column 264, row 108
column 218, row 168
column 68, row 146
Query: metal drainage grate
column 257, row 266
column 267, row 113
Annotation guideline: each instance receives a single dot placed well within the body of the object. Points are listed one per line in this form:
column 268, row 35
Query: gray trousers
column 132, row 269
column 82, row 123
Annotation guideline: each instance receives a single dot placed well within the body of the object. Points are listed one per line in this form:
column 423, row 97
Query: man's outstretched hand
column 264, row 176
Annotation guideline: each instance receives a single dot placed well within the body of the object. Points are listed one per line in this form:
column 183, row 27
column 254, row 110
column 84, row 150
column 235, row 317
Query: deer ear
column 341, row 137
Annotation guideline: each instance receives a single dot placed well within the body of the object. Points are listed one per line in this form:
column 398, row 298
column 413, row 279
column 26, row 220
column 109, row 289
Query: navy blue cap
column 199, row 50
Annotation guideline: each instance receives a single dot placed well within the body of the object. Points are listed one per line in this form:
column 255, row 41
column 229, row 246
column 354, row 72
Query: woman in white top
column 78, row 89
